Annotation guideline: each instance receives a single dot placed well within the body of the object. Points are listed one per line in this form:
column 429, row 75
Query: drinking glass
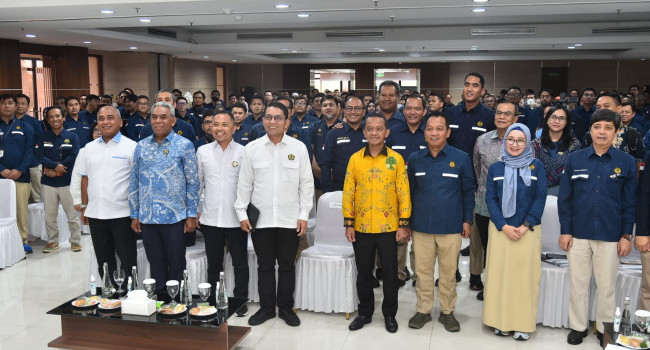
column 118, row 276
column 204, row 291
column 172, row 290
column 641, row 318
column 150, row 287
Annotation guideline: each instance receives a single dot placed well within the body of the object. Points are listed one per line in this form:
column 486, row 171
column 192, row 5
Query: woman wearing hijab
column 515, row 196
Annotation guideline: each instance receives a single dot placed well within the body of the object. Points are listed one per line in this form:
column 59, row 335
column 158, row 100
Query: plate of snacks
column 632, row 342
column 171, row 312
column 203, row 312
column 110, row 304
column 85, row 303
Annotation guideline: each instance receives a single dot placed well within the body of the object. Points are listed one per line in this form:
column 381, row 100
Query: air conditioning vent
column 264, row 36
column 621, row 30
column 348, row 35
column 504, row 31
column 162, row 33
column 369, row 53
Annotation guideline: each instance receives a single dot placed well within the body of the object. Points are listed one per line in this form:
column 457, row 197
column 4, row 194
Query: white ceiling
column 410, row 31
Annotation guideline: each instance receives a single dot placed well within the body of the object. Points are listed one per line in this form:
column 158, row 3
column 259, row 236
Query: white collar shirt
column 278, row 180
column 218, row 175
column 108, row 168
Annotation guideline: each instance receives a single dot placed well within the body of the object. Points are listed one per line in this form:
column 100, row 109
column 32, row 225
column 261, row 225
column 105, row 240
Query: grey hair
column 164, row 90
column 171, row 109
column 117, row 111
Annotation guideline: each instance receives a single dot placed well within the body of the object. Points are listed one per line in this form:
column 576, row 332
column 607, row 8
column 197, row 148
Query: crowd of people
column 412, row 167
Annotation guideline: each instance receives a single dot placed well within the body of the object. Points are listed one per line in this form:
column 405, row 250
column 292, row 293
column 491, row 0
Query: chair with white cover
column 551, row 227
column 11, row 244
column 326, row 273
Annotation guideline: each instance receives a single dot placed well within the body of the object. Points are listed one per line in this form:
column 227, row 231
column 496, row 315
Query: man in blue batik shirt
column 164, row 195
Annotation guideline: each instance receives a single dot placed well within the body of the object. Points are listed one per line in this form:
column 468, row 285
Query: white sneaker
column 501, row 333
column 521, row 336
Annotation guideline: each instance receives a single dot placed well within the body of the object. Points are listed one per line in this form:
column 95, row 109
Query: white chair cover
column 37, row 223
column 11, row 244
column 326, row 273
column 551, row 227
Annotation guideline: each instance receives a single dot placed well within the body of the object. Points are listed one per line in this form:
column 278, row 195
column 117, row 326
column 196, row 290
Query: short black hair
column 199, row 92
column 91, row 97
column 232, row 118
column 131, row 97
column 23, row 96
column 424, row 103
column 615, row 97
column 68, row 99
column 503, row 101
column 330, row 97
column 480, row 77
column 605, row 115
column 257, row 97
column 391, row 83
column 320, row 94
column 176, row 90
column 143, row 96
column 215, row 90
column 380, row 116
column 515, row 88
column 586, row 89
column 108, row 96
column 547, row 90
column 240, row 105
column 279, row 105
column 438, row 114
column 181, row 98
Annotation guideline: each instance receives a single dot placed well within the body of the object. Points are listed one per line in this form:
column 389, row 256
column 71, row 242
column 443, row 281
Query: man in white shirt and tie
column 219, row 163
column 275, row 177
column 107, row 168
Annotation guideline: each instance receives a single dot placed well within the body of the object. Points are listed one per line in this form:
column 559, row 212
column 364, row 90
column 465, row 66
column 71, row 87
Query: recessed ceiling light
column 234, row 60
column 468, row 61
column 643, row 59
column 381, row 50
column 30, row 35
column 303, row 15
column 294, row 51
column 571, row 47
column 206, row 56
column 238, row 17
column 480, row 0
column 88, row 42
column 145, row 20
column 577, row 45
column 478, row 10
column 285, row 49
column 133, row 47
column 282, row 6
column 107, row 12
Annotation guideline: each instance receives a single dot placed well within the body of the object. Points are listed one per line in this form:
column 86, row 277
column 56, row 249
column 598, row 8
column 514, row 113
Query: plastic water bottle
column 626, row 324
column 222, row 294
column 93, row 286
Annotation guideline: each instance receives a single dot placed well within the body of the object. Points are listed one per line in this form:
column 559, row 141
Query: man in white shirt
column 107, row 167
column 219, row 163
column 276, row 178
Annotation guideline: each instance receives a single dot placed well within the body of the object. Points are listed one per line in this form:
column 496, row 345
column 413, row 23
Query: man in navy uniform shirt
column 257, row 111
column 388, row 95
column 57, row 152
column 323, row 126
column 468, row 121
column 207, row 130
column 596, row 209
column 16, row 157
column 215, row 96
column 300, row 117
column 582, row 114
column 90, row 112
column 75, row 123
column 442, row 192
column 22, row 107
column 242, row 128
column 184, row 114
column 138, row 120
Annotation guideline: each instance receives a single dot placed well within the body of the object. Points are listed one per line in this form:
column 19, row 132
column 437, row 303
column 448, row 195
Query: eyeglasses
column 513, row 94
column 142, row 103
column 589, row 95
column 277, row 118
column 512, row 142
column 301, row 103
column 507, row 114
column 355, row 108
column 181, row 103
column 555, row 118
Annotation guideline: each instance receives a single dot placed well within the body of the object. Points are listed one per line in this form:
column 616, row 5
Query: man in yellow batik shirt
column 376, row 211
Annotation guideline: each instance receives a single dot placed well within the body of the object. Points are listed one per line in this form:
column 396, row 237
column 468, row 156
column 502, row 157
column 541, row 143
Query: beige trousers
column 22, row 205
column 587, row 257
column 644, row 300
column 427, row 248
column 52, row 196
column 35, row 174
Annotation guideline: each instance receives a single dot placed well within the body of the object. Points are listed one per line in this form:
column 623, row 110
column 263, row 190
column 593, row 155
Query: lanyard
column 3, row 136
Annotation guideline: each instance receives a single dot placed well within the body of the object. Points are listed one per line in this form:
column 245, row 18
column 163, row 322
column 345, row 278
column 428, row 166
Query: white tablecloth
column 197, row 265
column 555, row 287
column 36, row 223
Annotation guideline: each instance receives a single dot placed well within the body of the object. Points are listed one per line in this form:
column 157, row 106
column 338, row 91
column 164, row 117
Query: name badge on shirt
column 420, row 174
column 342, row 141
column 453, row 126
column 451, row 175
column 2, row 153
column 498, row 178
column 398, row 147
column 423, row 147
column 17, row 133
column 479, row 129
column 580, row 176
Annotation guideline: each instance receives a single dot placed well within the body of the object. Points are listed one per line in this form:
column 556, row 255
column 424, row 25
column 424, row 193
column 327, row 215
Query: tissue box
column 137, row 303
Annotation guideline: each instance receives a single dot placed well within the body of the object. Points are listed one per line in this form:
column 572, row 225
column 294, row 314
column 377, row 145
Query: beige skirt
column 513, row 270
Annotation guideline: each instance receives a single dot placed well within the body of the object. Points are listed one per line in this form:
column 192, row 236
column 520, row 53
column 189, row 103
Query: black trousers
column 365, row 246
column 215, row 241
column 165, row 248
column 271, row 245
column 482, row 224
column 113, row 236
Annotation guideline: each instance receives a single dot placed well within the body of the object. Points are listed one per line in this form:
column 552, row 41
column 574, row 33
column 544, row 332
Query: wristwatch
column 83, row 205
column 628, row 237
column 528, row 225
column 470, row 221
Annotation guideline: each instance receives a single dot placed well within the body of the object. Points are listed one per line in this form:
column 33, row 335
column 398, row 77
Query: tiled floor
column 32, row 287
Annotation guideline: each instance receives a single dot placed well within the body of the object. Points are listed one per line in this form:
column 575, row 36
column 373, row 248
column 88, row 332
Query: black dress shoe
column 359, row 322
column 400, row 283
column 465, row 251
column 600, row 338
column 379, row 273
column 436, row 284
column 391, row 324
column 375, row 282
column 575, row 337
column 475, row 282
column 261, row 316
column 479, row 296
column 289, row 317
column 459, row 277
column 408, row 273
